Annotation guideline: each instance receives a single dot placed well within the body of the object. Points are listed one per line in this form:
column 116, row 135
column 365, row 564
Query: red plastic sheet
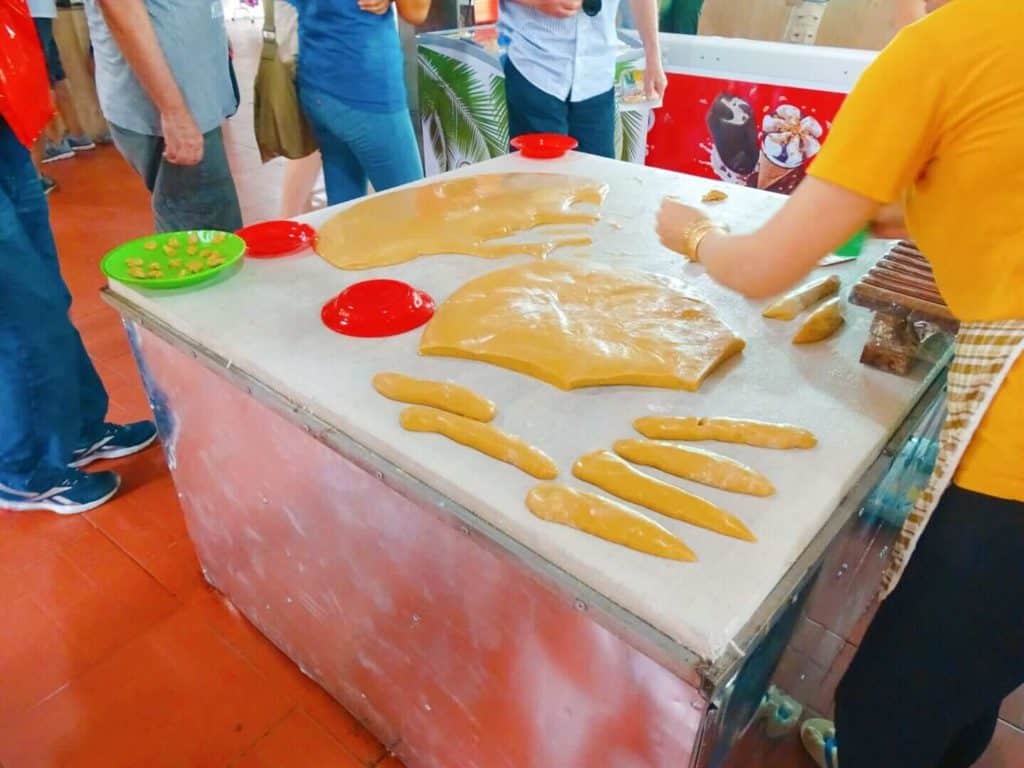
column 24, row 87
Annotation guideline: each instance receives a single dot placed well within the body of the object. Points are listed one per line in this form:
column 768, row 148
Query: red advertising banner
column 752, row 134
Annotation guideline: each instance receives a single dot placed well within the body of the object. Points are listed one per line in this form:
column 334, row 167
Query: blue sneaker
column 80, row 143
column 70, row 494
column 54, row 152
column 49, row 185
column 116, row 441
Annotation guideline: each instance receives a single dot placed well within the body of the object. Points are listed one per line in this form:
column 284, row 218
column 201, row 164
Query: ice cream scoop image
column 790, row 140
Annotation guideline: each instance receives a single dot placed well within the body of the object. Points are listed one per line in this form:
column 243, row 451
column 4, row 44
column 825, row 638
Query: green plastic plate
column 161, row 250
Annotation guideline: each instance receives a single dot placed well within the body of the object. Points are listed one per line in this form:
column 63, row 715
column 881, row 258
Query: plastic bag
column 24, row 86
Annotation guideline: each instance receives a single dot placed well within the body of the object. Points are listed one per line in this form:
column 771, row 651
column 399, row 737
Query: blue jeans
column 199, row 196
column 51, row 400
column 359, row 146
column 531, row 110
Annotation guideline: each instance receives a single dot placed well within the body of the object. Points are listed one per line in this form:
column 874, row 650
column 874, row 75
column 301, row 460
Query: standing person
column 165, row 88
column 934, row 123
column 52, row 403
column 55, row 147
column 351, row 81
column 560, row 66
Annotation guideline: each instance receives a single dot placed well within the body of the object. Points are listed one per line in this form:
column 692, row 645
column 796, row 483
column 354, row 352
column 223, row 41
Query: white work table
column 265, row 320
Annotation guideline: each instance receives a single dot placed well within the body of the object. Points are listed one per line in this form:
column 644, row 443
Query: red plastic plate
column 269, row 239
column 544, row 146
column 377, row 308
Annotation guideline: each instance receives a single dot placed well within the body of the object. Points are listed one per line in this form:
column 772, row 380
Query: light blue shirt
column 43, row 9
column 570, row 58
column 194, row 41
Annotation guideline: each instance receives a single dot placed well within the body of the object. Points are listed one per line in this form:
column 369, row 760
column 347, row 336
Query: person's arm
column 816, row 219
column 413, row 11
column 883, row 138
column 132, row 29
column 645, row 16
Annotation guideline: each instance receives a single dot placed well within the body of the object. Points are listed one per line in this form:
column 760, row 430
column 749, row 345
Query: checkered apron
column 984, row 355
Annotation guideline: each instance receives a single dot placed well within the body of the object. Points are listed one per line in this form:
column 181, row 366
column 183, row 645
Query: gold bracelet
column 695, row 234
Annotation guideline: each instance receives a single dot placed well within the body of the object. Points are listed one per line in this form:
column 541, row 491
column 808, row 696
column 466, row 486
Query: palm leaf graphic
column 468, row 112
column 631, row 135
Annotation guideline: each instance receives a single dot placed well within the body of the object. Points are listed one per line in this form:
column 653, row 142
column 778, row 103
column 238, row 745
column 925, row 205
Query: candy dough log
column 757, row 433
column 480, row 437
column 610, row 473
column 821, row 323
column 694, row 464
column 445, row 395
column 792, row 304
column 605, row 519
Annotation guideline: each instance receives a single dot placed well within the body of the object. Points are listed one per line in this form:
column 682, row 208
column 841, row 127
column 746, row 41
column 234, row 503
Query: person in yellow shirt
column 935, row 129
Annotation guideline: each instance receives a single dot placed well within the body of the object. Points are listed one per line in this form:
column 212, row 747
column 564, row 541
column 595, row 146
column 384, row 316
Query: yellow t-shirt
column 938, row 120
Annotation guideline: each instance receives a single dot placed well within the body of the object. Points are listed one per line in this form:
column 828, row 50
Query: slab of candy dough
column 821, row 323
column 702, row 467
column 460, row 216
column 445, row 395
column 605, row 519
column 757, row 433
column 481, row 437
column 610, row 473
column 792, row 304
column 575, row 324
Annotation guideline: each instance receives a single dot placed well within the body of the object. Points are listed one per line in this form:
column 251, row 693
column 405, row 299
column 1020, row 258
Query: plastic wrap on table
column 24, row 86
column 908, row 476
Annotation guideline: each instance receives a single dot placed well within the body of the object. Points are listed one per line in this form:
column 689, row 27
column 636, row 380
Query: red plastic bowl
column 377, row 308
column 269, row 239
column 544, row 146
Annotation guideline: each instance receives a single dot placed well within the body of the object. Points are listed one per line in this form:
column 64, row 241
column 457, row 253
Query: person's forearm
column 816, row 219
column 645, row 16
column 132, row 29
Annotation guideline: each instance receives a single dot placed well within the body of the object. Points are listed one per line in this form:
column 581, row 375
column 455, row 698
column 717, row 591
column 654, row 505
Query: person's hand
column 560, row 9
column 655, row 80
column 890, row 223
column 183, row 142
column 376, row 7
column 675, row 224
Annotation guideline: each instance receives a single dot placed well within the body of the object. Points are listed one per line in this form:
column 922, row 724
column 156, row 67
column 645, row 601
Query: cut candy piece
column 792, row 304
column 576, row 324
column 694, row 464
column 605, row 519
column 821, row 323
column 757, row 433
column 610, row 473
column 445, row 395
column 481, row 437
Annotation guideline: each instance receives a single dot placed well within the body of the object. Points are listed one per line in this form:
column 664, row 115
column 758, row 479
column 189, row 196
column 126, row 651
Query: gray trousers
column 199, row 196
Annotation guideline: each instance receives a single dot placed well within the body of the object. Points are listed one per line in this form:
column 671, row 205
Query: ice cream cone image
column 790, row 141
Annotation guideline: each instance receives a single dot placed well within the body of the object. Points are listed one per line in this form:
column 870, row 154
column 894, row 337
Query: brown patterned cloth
column 984, row 355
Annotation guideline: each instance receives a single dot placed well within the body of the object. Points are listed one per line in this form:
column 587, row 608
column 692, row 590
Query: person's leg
column 970, row 744
column 385, row 145
column 199, row 196
column 69, row 114
column 531, row 110
column 300, row 177
column 344, row 176
column 946, row 647
column 143, row 153
column 40, row 404
column 592, row 124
